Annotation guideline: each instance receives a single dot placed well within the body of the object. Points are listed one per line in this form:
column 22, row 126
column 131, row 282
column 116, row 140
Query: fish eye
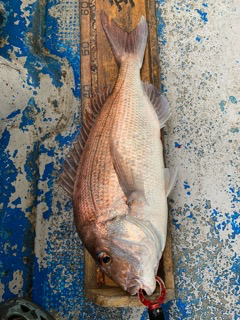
column 104, row 259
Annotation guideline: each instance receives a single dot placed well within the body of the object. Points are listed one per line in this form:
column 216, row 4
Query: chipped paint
column 37, row 107
column 39, row 73
column 2, row 289
column 26, row 10
column 15, row 286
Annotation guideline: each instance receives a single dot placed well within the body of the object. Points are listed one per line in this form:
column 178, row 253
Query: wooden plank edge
column 115, row 297
column 89, row 272
column 168, row 261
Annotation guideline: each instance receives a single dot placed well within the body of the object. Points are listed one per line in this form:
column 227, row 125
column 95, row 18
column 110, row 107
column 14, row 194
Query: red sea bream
column 116, row 172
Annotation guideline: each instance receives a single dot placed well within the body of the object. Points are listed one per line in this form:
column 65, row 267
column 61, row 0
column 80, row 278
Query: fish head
column 128, row 251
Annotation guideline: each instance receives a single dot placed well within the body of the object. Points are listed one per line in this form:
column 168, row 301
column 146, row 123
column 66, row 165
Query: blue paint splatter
column 13, row 114
column 198, row 39
column 186, row 185
column 48, row 200
column 222, row 104
column 176, row 224
column 235, row 192
column 28, row 115
column 39, row 283
column 161, row 28
column 234, row 130
column 17, row 201
column 12, row 219
column 7, row 169
column 235, row 224
column 177, row 145
column 144, row 315
column 43, row 150
column 182, row 307
column 47, row 197
column 233, row 99
column 15, row 153
column 49, row 167
column 203, row 15
column 187, row 8
column 205, row 4
column 214, row 213
column 31, row 165
column 236, row 265
column 64, row 141
column 163, row 88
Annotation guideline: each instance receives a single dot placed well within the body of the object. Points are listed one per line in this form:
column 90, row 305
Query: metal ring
column 159, row 300
column 23, row 309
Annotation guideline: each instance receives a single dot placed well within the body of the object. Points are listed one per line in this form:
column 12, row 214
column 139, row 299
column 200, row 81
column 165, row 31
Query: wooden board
column 99, row 70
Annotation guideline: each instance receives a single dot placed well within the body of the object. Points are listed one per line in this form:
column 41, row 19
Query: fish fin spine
column 123, row 43
column 68, row 175
column 159, row 103
column 170, row 177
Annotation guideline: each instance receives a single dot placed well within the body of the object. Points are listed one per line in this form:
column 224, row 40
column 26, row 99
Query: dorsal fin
column 67, row 177
column 159, row 103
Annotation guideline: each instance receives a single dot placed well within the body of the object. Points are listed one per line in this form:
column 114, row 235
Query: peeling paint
column 15, row 286
column 25, row 9
column 2, row 289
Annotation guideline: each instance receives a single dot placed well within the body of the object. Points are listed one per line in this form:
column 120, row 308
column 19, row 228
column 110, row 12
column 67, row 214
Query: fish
column 116, row 174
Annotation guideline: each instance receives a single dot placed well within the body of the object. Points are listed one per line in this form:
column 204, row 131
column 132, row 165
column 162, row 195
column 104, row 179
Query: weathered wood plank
column 116, row 297
column 100, row 70
column 86, row 75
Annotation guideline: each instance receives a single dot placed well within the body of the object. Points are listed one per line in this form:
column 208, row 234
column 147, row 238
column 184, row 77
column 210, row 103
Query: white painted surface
column 199, row 58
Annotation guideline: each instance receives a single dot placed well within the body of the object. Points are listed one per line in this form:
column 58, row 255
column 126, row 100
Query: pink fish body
column 121, row 186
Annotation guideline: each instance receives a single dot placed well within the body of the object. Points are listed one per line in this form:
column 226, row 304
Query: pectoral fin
column 130, row 180
column 170, row 176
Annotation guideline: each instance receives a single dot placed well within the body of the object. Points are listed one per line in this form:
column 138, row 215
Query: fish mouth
column 135, row 285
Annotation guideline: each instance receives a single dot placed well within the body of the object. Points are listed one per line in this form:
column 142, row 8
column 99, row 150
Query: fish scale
column 142, row 149
column 97, row 168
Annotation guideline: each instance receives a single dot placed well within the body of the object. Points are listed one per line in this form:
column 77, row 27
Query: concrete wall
column 41, row 255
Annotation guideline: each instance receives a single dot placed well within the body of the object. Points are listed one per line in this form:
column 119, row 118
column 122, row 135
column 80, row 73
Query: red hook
column 156, row 304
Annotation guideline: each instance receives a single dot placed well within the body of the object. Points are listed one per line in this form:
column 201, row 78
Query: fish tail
column 124, row 44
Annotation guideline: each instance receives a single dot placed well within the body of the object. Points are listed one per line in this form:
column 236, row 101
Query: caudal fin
column 123, row 43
